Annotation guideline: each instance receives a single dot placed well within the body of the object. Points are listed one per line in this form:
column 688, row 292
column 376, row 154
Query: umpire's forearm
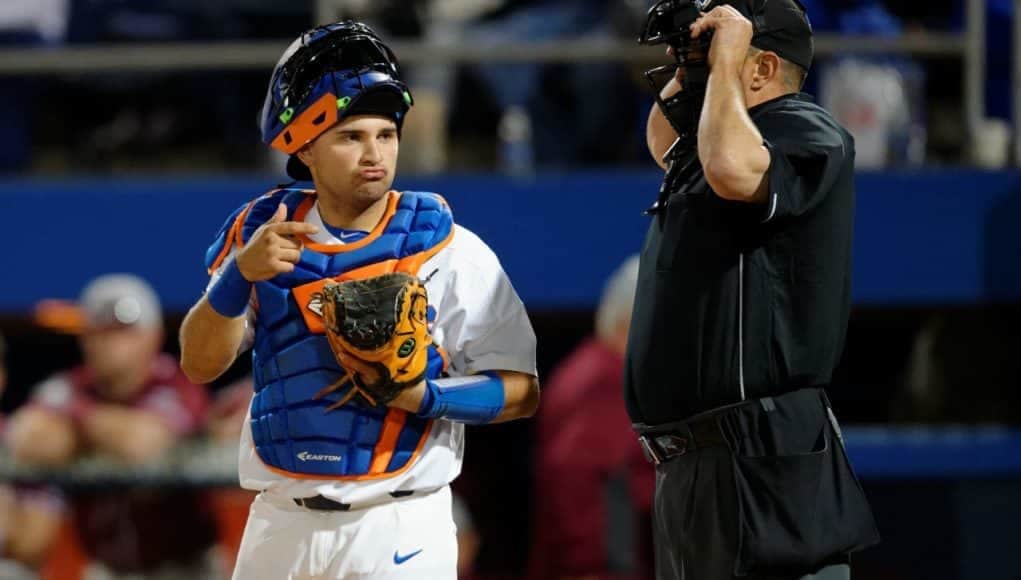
column 209, row 342
column 730, row 147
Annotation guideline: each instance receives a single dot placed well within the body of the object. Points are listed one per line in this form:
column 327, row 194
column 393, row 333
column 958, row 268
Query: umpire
column 742, row 303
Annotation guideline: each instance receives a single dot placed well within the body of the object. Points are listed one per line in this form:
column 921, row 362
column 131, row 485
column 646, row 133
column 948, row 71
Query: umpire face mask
column 780, row 26
column 668, row 22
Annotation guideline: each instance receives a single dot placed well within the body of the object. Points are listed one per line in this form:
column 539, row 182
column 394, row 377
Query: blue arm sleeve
column 475, row 400
column 229, row 295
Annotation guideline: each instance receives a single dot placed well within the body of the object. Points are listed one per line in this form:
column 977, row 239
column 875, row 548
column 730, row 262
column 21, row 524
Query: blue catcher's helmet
column 326, row 74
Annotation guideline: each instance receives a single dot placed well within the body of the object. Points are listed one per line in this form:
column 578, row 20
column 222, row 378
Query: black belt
column 664, row 442
column 320, row 503
column 669, row 440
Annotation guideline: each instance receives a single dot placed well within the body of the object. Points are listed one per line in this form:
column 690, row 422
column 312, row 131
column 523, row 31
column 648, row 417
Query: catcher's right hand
column 377, row 329
column 274, row 248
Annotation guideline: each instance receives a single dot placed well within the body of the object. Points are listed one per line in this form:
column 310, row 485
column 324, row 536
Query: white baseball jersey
column 480, row 322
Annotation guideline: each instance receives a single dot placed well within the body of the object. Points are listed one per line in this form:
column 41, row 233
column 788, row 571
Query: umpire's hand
column 732, row 35
column 274, row 248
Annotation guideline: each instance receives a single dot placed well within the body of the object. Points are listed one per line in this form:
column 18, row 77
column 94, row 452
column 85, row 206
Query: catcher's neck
column 352, row 214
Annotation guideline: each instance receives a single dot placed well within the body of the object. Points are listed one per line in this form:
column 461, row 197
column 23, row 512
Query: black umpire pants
column 772, row 497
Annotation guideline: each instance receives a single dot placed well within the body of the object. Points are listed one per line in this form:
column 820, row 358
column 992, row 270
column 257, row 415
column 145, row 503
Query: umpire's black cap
column 781, row 26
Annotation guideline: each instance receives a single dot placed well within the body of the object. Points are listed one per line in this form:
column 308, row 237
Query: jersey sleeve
column 806, row 156
column 485, row 325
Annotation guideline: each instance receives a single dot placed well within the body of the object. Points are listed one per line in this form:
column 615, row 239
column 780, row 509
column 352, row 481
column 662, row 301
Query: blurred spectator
column 549, row 115
column 468, row 540
column 29, row 516
column 989, row 142
column 131, row 403
column 952, row 14
column 23, row 23
column 228, row 412
column 593, row 486
column 963, row 369
column 879, row 100
column 157, row 119
column 43, row 19
column 424, row 137
column 230, row 505
column 427, row 131
column 571, row 127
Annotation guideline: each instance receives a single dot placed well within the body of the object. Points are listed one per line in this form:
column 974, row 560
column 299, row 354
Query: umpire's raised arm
column 730, row 147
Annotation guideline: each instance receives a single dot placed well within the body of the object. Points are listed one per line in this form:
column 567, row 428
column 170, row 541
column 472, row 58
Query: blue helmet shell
column 345, row 60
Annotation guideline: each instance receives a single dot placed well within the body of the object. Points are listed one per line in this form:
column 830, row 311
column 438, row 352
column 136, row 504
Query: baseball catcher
column 362, row 381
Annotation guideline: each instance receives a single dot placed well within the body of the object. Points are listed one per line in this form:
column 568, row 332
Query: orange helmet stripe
column 311, row 123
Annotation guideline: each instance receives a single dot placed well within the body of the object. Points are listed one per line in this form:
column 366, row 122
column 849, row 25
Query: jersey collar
column 776, row 101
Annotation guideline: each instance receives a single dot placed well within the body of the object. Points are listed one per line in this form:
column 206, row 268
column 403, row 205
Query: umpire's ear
column 762, row 68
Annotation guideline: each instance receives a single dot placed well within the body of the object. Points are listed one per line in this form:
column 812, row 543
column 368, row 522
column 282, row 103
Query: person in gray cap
column 742, row 302
column 130, row 402
column 120, row 334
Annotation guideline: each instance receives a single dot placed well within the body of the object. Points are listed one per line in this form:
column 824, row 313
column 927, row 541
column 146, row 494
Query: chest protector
column 291, row 360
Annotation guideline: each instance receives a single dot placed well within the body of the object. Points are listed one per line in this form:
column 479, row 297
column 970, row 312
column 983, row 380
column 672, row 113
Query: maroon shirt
column 138, row 530
column 40, row 496
column 167, row 393
column 585, row 443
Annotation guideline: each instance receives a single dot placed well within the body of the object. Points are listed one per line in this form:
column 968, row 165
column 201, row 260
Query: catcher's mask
column 780, row 26
column 326, row 74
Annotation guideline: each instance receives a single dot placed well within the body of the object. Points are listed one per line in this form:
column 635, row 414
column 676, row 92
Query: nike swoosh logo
column 398, row 559
column 346, row 235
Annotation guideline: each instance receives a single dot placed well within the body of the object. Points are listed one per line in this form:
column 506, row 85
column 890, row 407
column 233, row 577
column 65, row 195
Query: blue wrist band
column 229, row 295
column 475, row 399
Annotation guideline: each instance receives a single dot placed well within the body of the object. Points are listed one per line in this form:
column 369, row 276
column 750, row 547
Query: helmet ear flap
column 308, row 125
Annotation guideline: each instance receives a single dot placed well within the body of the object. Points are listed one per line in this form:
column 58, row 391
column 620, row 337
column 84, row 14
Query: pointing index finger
column 291, row 228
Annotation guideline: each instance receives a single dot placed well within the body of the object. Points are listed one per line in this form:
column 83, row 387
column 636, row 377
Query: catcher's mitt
column 377, row 329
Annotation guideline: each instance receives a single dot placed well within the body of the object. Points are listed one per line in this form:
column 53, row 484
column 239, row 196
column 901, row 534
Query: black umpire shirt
column 738, row 300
